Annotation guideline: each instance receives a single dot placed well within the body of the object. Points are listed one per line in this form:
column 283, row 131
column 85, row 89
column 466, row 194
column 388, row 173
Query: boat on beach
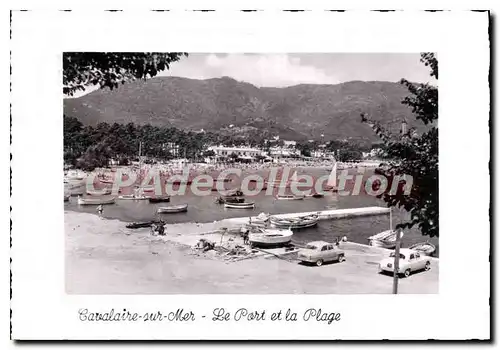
column 173, row 209
column 295, row 222
column 385, row 239
column 424, row 248
column 270, row 237
column 135, row 225
column 95, row 200
column 244, row 205
column 159, row 199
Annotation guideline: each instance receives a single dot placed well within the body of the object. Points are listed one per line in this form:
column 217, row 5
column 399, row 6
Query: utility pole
column 396, row 262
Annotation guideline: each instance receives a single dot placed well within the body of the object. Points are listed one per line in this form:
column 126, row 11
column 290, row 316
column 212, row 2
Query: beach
column 104, row 257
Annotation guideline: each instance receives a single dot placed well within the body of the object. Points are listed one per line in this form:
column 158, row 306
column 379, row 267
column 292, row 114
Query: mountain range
column 306, row 111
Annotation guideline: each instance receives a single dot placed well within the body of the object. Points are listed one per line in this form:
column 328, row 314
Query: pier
column 330, row 214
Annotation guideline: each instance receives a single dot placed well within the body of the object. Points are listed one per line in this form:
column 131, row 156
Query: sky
column 287, row 69
column 279, row 70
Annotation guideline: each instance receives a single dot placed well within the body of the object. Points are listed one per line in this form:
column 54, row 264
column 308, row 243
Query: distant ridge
column 298, row 112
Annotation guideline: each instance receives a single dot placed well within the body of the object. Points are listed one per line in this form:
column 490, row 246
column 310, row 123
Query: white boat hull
column 172, row 209
column 296, row 223
column 271, row 237
column 95, row 201
column 239, row 205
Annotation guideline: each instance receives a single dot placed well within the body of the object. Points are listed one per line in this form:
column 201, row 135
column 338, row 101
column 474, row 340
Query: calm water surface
column 204, row 209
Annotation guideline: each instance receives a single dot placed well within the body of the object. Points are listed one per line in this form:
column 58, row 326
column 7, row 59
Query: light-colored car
column 409, row 261
column 319, row 252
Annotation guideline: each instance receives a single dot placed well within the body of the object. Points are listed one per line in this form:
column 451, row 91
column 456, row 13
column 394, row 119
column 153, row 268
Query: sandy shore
column 104, row 257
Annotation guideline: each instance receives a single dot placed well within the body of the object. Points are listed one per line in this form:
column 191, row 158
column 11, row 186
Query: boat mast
column 390, row 218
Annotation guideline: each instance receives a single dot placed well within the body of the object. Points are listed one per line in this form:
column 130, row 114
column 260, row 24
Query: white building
column 241, row 152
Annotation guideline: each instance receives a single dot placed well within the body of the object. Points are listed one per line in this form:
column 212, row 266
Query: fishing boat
column 232, row 193
column 95, row 200
column 385, row 239
column 222, row 200
column 244, row 205
column 424, row 248
column 316, row 195
column 270, row 237
column 261, row 220
column 289, row 197
column 147, row 188
column 104, row 191
column 173, row 209
column 159, row 199
column 295, row 222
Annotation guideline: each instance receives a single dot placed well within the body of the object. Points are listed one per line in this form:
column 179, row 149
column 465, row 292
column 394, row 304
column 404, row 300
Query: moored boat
column 133, row 197
column 96, row 200
column 289, row 197
column 173, row 209
column 295, row 222
column 222, row 200
column 270, row 237
column 159, row 199
column 102, row 192
column 425, row 248
column 244, row 205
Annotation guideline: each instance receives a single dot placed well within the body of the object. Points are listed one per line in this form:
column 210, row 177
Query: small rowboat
column 385, row 239
column 102, row 192
column 135, row 225
column 316, row 195
column 173, row 209
column 296, row 222
column 243, row 205
column 424, row 248
column 96, row 200
column 222, row 200
column 159, row 199
column 270, row 237
column 289, row 197
column 133, row 197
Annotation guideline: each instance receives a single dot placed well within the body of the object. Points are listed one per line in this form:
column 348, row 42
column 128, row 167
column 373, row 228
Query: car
column 409, row 261
column 318, row 252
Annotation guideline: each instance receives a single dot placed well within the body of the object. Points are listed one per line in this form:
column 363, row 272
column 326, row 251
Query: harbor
column 134, row 262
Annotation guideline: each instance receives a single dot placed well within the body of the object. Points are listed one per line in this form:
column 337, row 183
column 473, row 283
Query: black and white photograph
column 243, row 177
column 251, row 173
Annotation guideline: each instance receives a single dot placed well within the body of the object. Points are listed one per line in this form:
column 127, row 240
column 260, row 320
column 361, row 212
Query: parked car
column 409, row 261
column 319, row 252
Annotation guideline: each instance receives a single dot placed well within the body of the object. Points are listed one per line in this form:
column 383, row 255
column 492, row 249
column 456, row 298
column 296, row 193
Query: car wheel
column 319, row 262
column 407, row 272
column 341, row 258
column 427, row 266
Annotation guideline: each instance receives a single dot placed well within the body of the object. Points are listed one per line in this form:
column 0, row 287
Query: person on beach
column 161, row 230
column 245, row 236
column 99, row 210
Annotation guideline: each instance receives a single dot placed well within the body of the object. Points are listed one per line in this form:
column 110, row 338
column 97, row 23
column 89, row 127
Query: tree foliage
column 84, row 69
column 415, row 155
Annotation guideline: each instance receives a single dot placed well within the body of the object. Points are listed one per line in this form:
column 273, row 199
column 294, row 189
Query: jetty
column 208, row 228
column 330, row 214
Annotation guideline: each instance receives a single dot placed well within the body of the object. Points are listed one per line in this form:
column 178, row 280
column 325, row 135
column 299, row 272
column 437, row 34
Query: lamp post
column 396, row 262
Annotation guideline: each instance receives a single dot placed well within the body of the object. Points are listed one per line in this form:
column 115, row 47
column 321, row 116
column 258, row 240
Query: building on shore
column 247, row 154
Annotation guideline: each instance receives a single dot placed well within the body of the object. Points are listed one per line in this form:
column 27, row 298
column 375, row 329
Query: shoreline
column 103, row 257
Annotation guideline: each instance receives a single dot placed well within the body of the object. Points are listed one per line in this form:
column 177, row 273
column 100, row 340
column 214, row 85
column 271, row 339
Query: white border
column 41, row 310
